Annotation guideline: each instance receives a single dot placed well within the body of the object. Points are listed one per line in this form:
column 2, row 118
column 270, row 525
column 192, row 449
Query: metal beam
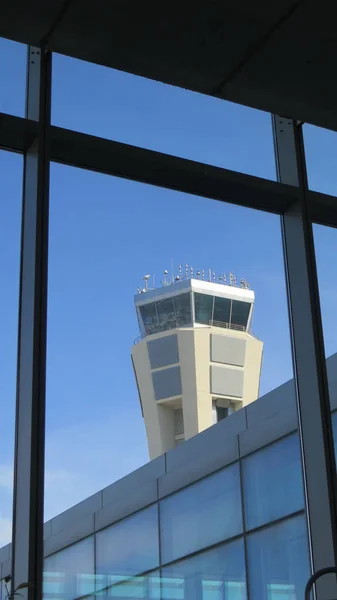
column 315, row 426
column 27, row 548
column 154, row 168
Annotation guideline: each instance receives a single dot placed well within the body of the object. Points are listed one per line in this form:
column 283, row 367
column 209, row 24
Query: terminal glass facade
column 229, row 534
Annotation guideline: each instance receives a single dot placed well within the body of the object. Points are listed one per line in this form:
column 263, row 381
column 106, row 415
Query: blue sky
column 106, row 233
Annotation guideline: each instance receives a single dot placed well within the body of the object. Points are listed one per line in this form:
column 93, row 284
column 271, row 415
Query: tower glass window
column 150, row 318
column 203, row 308
column 166, row 314
column 182, row 304
column 240, row 313
column 222, row 307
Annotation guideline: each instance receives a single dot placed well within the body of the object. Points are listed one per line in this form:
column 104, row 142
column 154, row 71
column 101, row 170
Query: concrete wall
column 188, row 368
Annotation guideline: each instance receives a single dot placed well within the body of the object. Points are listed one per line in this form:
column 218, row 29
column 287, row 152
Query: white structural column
column 27, row 549
column 308, row 355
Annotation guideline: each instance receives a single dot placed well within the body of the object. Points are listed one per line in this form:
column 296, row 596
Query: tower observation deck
column 196, row 360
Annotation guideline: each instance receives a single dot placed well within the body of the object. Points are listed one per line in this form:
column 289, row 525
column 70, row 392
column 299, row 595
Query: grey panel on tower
column 228, row 349
column 226, row 381
column 166, row 383
column 163, row 352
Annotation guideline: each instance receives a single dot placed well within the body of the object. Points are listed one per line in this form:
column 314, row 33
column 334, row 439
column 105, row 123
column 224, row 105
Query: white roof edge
column 196, row 285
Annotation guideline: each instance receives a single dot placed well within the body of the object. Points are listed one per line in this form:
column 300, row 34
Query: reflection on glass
column 222, row 307
column 69, row 574
column 278, row 561
column 202, row 514
column 203, row 308
column 150, row 318
column 182, row 305
column 146, row 587
column 129, row 547
column 240, row 313
column 272, row 482
column 166, row 314
column 212, row 575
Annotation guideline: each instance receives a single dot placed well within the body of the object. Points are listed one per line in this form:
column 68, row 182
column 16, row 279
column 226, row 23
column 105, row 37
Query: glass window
column 203, row 308
column 201, row 515
column 278, row 561
column 11, row 173
column 13, row 64
column 69, row 573
column 182, row 305
column 272, row 482
column 240, row 313
column 129, row 547
column 150, row 317
column 139, row 111
column 145, row 587
column 166, row 314
column 222, row 308
column 212, row 575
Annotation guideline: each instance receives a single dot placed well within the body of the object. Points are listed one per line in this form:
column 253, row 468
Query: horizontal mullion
column 154, row 168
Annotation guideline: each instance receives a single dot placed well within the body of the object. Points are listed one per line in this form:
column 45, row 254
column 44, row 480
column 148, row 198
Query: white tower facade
column 196, row 360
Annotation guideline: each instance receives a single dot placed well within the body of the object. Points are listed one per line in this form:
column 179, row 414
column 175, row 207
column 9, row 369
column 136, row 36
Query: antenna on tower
column 198, row 274
column 203, row 273
column 146, row 279
column 180, row 272
column 192, row 271
column 186, row 271
column 213, row 275
column 225, row 278
column 165, row 276
column 220, row 278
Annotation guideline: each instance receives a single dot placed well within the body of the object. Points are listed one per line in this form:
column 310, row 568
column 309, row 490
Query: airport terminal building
column 220, row 517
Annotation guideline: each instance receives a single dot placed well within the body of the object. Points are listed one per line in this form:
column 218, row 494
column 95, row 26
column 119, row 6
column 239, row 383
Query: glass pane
column 129, row 547
column 212, row 575
column 222, row 307
column 240, row 313
column 92, row 396
column 320, row 152
column 278, row 560
column 182, row 305
column 150, row 318
column 166, row 314
column 69, row 574
column 202, row 514
column 13, row 63
column 146, row 113
column 203, row 308
column 272, row 482
column 11, row 173
column 145, row 587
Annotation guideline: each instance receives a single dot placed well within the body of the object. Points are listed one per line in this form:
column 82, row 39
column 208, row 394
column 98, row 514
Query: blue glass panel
column 272, row 482
column 129, row 547
column 202, row 514
column 144, row 587
column 212, row 575
column 69, row 573
column 278, row 561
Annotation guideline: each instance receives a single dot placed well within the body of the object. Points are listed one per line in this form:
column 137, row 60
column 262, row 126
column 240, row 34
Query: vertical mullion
column 313, row 404
column 27, row 547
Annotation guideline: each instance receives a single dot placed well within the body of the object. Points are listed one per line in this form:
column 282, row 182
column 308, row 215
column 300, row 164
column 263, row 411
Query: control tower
column 196, row 360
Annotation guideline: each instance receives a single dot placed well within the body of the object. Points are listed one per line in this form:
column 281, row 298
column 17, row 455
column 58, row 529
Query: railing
column 228, row 326
column 211, row 323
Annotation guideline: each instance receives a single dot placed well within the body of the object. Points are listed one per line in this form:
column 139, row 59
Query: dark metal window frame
column 40, row 143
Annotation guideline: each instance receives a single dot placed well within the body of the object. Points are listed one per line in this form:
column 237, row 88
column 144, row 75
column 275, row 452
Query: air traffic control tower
column 196, row 360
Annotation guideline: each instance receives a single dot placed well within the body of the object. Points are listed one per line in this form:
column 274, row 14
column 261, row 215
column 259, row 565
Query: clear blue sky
column 106, row 233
